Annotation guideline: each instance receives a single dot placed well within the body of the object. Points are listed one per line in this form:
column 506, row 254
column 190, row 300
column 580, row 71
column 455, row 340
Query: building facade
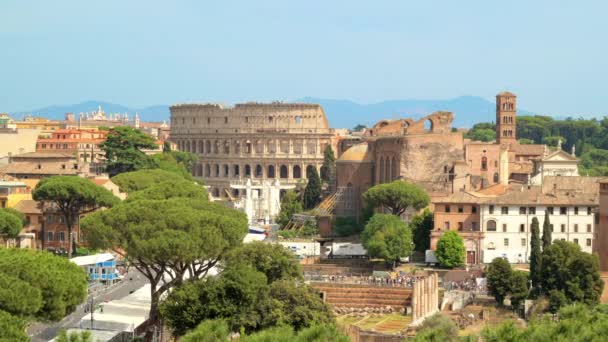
column 276, row 142
column 82, row 143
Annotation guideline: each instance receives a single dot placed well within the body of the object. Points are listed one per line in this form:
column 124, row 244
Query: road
column 42, row 332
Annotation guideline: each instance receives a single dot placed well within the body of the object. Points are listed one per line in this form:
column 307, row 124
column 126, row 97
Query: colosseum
column 275, row 142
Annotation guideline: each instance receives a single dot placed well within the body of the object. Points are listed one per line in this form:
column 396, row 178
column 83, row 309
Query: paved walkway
column 42, row 332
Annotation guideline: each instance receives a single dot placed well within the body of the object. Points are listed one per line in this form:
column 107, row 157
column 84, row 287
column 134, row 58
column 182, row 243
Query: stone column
column 414, row 303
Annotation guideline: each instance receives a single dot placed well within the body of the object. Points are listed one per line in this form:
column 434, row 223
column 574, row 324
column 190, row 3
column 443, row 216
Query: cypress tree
column 535, row 258
column 328, row 169
column 312, row 192
column 546, row 230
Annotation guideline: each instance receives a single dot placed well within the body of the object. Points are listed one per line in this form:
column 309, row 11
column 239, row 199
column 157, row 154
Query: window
column 576, row 241
column 473, row 209
column 447, row 208
column 446, row 225
column 474, row 225
column 225, row 119
column 491, row 209
column 49, row 219
column 522, row 228
column 550, row 209
column 588, row 242
column 563, row 227
column 532, row 210
column 208, row 120
column 551, row 226
column 563, row 210
column 298, row 119
column 523, row 242
column 588, row 210
column 484, row 164
column 460, row 226
column 504, row 210
column 49, row 236
column 504, row 227
column 588, row 228
column 576, row 228
column 522, row 210
column 491, row 226
column 460, row 209
column 61, row 236
column 506, row 242
column 575, row 210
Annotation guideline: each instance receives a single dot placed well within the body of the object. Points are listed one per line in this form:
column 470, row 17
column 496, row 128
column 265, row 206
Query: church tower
column 506, row 107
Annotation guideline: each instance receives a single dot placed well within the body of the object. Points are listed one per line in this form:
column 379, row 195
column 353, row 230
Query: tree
column 422, row 225
column 12, row 211
column 12, row 328
column 344, row 226
column 123, row 147
column 167, row 238
column 553, row 140
column 315, row 333
column 231, row 296
column 61, row 283
column 437, row 328
column 208, row 331
column 170, row 189
column 567, row 269
column 275, row 261
column 10, row 225
column 546, row 230
column 130, row 182
column 83, row 336
column 328, row 169
column 181, row 163
column 73, row 196
column 359, row 127
column 290, row 204
column 166, row 146
column 535, row 258
column 525, row 141
column 388, row 237
column 450, row 249
column 312, row 192
column 518, row 288
column 397, row 196
column 498, row 276
column 485, row 135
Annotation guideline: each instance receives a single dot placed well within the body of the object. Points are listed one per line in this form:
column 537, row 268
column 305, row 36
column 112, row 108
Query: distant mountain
column 151, row 113
column 467, row 110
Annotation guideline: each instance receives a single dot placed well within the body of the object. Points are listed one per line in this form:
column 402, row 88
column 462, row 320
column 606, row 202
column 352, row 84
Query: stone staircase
column 364, row 296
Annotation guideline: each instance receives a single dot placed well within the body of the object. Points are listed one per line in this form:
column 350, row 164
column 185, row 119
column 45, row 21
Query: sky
column 552, row 54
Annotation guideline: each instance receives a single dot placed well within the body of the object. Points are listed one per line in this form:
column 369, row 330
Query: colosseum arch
column 199, row 170
column 201, row 147
column 387, row 169
column 216, row 147
column 270, row 173
column 226, row 147
column 236, row 171
column 208, row 147
column 394, row 169
column 259, row 173
column 226, row 168
column 216, row 169
column 237, row 147
column 207, row 170
column 247, row 170
column 187, row 146
column 381, row 170
column 283, row 172
column 309, row 169
column 297, row 171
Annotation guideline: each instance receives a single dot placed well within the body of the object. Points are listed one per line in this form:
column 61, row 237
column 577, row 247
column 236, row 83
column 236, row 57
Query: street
column 42, row 332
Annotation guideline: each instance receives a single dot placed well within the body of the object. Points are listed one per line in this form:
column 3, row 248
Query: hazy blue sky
column 553, row 54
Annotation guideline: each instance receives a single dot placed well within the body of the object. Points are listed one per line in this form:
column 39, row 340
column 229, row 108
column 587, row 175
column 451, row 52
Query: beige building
column 263, row 142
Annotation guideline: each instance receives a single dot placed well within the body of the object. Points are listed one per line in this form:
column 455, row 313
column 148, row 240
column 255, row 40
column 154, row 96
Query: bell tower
column 506, row 105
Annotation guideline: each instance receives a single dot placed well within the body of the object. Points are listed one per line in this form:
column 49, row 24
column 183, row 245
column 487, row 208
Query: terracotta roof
column 494, row 190
column 28, row 207
column 521, row 167
column 531, row 149
column 358, row 153
column 48, row 155
column 505, row 93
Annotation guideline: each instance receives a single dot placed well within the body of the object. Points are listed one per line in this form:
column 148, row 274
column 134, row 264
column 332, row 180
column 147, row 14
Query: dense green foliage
column 388, row 237
column 546, row 230
column 56, row 285
column 274, row 260
column 181, row 163
column 83, row 336
column 130, row 182
column 12, row 329
column 328, row 169
column 312, row 192
column 519, row 288
column 12, row 211
column 482, row 132
column 169, row 189
column 346, row 226
column 422, row 225
column 498, row 275
column 290, row 204
column 10, row 225
column 570, row 275
column 535, row 258
column 397, row 196
column 575, row 323
column 450, row 249
column 208, row 331
column 176, row 235
column 310, row 229
column 123, row 147
column 73, row 196
column 437, row 328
